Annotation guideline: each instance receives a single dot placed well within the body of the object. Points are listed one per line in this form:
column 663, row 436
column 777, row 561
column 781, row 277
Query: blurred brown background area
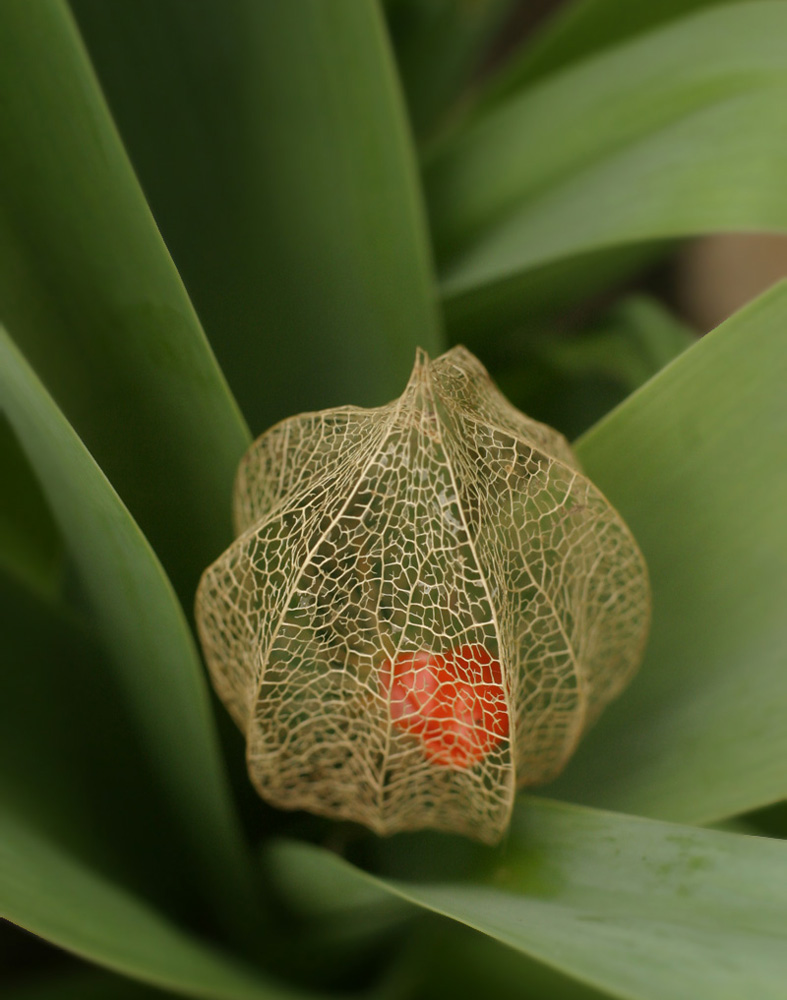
column 716, row 275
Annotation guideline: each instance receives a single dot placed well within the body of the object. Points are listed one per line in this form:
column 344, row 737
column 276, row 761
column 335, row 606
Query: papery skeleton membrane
column 426, row 606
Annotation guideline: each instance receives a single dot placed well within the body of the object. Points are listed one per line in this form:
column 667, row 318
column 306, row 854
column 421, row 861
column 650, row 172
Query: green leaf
column 693, row 461
column 144, row 630
column 69, row 761
column 58, row 897
column 30, row 547
column 272, row 141
column 457, row 962
column 642, row 909
column 581, row 28
column 552, row 296
column 439, row 45
column 90, row 292
column 666, row 136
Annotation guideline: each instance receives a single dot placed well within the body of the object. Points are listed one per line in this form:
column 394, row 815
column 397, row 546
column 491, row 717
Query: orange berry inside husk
column 452, row 702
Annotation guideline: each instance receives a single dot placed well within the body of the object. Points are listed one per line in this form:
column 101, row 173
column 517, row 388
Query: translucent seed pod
column 426, row 606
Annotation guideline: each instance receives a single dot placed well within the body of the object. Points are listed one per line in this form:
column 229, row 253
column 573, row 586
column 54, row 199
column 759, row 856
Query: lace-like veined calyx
column 426, row 606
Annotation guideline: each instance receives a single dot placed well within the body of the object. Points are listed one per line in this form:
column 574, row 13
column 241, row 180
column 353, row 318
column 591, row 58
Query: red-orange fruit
column 453, row 702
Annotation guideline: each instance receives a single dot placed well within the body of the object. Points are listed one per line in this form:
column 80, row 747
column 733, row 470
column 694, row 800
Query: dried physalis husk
column 427, row 606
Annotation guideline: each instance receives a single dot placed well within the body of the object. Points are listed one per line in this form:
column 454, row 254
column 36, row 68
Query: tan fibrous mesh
column 426, row 606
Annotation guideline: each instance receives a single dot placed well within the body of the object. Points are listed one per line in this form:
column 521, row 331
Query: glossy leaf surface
column 693, row 461
column 47, row 891
column 669, row 135
column 272, row 141
column 143, row 627
column 640, row 909
column 94, row 300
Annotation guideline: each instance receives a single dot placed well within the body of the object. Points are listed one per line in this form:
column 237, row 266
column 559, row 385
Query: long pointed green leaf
column 582, row 27
column 143, row 627
column 90, row 292
column 50, row 893
column 694, row 461
column 641, row 909
column 672, row 134
column 534, row 144
column 458, row 962
column 272, row 141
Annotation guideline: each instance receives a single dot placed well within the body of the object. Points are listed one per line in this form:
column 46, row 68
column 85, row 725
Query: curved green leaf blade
column 92, row 296
column 641, row 909
column 533, row 143
column 694, row 463
column 460, row 963
column 50, row 893
column 144, row 630
column 272, row 141
column 669, row 135
column 581, row 28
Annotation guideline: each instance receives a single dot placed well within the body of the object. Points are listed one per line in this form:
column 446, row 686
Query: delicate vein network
column 426, row 606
